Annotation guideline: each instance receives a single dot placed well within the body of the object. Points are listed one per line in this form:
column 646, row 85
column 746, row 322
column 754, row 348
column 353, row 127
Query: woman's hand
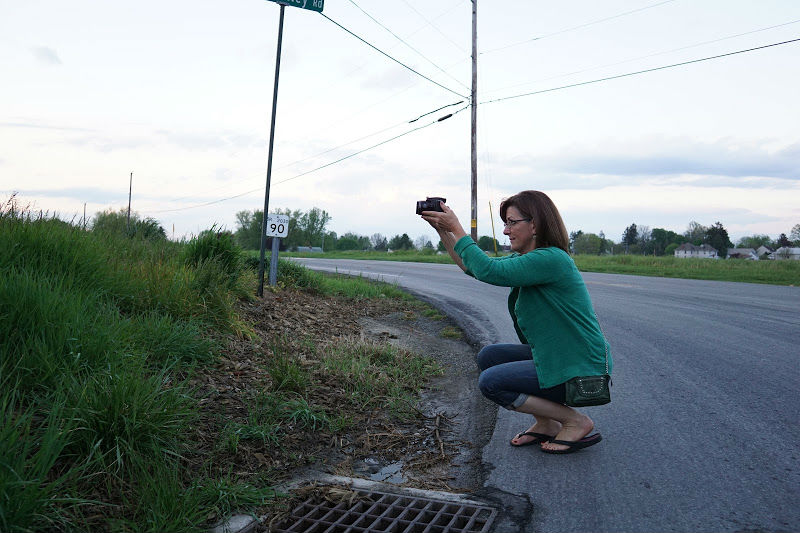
column 444, row 221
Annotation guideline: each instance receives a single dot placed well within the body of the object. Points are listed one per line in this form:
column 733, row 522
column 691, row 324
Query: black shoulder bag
column 584, row 391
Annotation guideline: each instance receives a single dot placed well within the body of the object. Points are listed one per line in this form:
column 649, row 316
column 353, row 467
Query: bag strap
column 605, row 341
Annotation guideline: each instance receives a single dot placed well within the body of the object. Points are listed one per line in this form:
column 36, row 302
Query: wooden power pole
column 474, row 135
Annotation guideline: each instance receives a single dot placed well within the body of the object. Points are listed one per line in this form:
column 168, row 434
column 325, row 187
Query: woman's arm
column 449, row 242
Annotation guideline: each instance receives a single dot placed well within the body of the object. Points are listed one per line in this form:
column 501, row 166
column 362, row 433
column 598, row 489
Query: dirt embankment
column 438, row 448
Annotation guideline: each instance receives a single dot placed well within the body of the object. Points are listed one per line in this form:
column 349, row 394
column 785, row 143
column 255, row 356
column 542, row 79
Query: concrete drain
column 390, row 513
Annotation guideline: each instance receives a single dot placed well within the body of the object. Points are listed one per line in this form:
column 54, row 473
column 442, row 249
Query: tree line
column 309, row 229
column 659, row 241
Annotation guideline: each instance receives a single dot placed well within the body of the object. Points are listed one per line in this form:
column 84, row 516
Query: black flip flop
column 538, row 438
column 575, row 445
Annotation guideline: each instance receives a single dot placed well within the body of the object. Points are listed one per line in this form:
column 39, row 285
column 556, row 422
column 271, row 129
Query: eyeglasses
column 510, row 222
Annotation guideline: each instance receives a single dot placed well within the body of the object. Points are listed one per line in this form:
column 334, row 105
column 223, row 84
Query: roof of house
column 689, row 247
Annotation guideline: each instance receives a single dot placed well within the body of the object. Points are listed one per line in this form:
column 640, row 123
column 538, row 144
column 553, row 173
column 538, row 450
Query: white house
column 785, row 252
column 763, row 250
column 688, row 249
column 742, row 253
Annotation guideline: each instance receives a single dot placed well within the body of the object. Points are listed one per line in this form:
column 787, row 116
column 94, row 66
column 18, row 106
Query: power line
column 393, row 59
column 432, row 25
column 646, row 56
column 576, row 27
column 348, row 143
column 376, row 21
column 440, row 119
column 639, row 72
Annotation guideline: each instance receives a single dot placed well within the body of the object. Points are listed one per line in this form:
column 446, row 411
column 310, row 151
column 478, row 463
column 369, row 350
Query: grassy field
column 103, row 337
column 765, row 271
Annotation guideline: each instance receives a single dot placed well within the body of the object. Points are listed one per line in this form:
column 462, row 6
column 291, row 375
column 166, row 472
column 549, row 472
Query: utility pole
column 130, row 189
column 474, row 109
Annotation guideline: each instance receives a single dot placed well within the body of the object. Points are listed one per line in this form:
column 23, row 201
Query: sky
column 180, row 94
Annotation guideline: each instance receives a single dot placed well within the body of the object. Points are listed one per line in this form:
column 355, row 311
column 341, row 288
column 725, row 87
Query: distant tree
column 440, row 247
column 695, row 233
column 248, row 229
column 631, row 235
column 794, row 234
column 588, row 243
column 645, row 239
column 754, row 241
column 661, row 238
column 423, row 242
column 488, row 244
column 401, row 242
column 348, row 241
column 330, row 240
column 606, row 245
column 118, row 222
column 783, row 240
column 311, row 226
column 717, row 237
column 670, row 249
column 379, row 242
column 572, row 236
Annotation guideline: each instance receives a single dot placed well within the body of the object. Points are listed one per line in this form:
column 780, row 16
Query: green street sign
column 312, row 5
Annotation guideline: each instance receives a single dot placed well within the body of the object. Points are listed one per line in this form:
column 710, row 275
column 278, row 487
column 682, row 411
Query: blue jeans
column 508, row 376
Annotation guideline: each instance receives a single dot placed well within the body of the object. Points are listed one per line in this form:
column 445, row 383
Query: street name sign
column 311, row 5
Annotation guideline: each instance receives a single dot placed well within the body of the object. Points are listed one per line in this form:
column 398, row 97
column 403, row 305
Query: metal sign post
column 313, row 5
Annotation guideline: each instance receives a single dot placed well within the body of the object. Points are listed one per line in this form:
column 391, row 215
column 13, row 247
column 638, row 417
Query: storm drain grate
column 390, row 513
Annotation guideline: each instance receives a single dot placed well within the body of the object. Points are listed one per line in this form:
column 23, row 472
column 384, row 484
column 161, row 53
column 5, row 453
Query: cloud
column 722, row 159
column 46, row 56
column 39, row 126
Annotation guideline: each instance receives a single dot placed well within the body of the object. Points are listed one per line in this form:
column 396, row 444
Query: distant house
column 309, row 249
column 742, row 253
column 764, row 251
column 785, row 252
column 704, row 251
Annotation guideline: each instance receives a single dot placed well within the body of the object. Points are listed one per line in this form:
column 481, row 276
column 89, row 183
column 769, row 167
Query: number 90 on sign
column 277, row 226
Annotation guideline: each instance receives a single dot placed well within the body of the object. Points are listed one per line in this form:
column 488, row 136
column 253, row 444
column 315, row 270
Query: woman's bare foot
column 550, row 428
column 572, row 430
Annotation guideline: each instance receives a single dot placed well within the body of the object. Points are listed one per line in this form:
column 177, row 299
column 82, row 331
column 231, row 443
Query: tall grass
column 99, row 331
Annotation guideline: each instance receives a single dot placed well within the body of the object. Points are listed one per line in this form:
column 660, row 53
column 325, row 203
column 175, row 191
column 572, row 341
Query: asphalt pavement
column 702, row 433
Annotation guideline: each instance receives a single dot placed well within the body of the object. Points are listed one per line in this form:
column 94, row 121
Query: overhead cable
column 393, row 59
column 644, row 56
column 575, row 27
column 408, row 45
column 638, row 72
column 440, row 119
column 432, row 25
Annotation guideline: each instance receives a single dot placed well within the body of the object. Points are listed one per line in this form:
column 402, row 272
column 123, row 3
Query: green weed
column 450, row 332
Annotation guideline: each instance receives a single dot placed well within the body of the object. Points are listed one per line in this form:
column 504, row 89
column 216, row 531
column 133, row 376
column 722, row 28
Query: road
column 703, row 431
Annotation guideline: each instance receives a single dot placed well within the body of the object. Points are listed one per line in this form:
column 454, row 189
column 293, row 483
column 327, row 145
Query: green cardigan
column 550, row 307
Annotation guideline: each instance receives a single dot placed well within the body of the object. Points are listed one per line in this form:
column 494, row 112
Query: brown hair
column 536, row 205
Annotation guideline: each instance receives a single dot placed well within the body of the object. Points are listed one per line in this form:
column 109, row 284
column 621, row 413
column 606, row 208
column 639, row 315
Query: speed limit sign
column 277, row 225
